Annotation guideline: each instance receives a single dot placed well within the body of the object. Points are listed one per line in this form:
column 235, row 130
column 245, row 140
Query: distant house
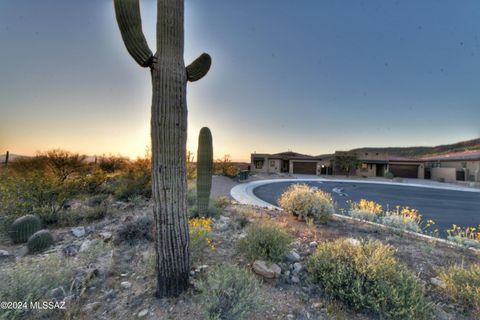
column 377, row 164
column 290, row 162
column 458, row 166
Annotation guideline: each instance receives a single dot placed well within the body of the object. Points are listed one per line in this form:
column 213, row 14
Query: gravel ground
column 221, row 186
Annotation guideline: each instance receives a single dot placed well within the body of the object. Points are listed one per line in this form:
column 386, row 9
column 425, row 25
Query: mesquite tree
column 168, row 132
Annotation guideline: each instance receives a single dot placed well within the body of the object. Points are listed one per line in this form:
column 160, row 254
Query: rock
column 105, row 236
column 4, row 254
column 70, row 250
column 267, row 270
column 242, row 235
column 58, row 294
column 142, row 313
column 92, row 306
column 438, row 283
column 78, row 231
column 290, row 316
column 317, row 305
column 85, row 245
column 297, row 267
column 295, row 279
column 354, row 242
column 313, row 244
column 287, row 273
column 125, row 285
column 293, row 256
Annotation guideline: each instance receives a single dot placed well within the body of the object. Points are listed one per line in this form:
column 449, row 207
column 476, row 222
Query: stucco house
column 290, row 162
column 458, row 166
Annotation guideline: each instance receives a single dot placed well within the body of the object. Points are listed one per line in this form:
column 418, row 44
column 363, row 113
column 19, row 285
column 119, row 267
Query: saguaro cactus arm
column 199, row 67
column 130, row 23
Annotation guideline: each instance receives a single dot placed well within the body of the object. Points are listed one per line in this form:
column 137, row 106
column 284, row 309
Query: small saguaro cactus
column 22, row 228
column 204, row 170
column 168, row 131
column 39, row 241
column 7, row 156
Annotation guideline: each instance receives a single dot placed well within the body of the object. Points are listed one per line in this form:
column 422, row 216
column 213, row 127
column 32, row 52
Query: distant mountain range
column 409, row 152
column 414, row 152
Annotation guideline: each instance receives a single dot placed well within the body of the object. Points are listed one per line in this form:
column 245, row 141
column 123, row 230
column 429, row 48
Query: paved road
column 445, row 207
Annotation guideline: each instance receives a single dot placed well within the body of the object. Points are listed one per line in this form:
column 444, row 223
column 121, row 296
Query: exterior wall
column 445, row 174
column 472, row 167
column 263, row 169
column 369, row 171
column 274, row 165
column 421, row 171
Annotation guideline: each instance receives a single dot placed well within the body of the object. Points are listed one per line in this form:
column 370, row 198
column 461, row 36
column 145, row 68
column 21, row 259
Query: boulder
column 293, row 256
column 266, row 270
column 78, row 232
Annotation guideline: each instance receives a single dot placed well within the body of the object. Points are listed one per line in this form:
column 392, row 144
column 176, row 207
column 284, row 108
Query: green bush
column 367, row 276
column 265, row 240
column 34, row 191
column 307, row 203
column 388, row 175
column 462, row 285
column 228, row 292
column 134, row 182
column 31, row 282
column 221, row 202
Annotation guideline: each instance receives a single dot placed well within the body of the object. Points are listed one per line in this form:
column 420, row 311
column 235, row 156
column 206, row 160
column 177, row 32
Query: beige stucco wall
column 370, row 171
column 446, row 174
column 472, row 167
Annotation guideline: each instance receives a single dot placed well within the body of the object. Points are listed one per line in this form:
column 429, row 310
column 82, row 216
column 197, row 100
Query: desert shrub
column 401, row 222
column 94, row 182
column 307, row 203
column 221, row 202
column 363, row 215
column 367, row 276
column 403, row 218
column 200, row 230
column 241, row 217
column 112, row 163
column 228, row 292
column 265, row 240
column 34, row 192
column 388, row 175
column 136, row 181
column 63, row 163
column 135, row 230
column 24, row 282
column 465, row 236
column 462, row 285
column 97, row 200
column 225, row 167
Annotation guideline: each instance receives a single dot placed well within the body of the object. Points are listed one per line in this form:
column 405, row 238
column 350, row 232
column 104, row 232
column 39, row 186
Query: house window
column 272, row 163
column 258, row 164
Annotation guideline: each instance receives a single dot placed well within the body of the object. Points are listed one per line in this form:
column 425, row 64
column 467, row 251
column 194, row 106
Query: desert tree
column 168, row 130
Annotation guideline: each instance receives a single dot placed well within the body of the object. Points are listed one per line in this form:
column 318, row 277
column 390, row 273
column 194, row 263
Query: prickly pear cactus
column 39, row 241
column 204, row 170
column 22, row 228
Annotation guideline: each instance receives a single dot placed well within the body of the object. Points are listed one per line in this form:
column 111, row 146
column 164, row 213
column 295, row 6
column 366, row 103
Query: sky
column 312, row 76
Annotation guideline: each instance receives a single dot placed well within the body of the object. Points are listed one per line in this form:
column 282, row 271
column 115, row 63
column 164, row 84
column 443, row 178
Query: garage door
column 305, row 167
column 404, row 171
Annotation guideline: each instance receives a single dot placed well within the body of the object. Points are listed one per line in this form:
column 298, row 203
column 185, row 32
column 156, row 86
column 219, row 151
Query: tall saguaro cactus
column 204, row 170
column 168, row 132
